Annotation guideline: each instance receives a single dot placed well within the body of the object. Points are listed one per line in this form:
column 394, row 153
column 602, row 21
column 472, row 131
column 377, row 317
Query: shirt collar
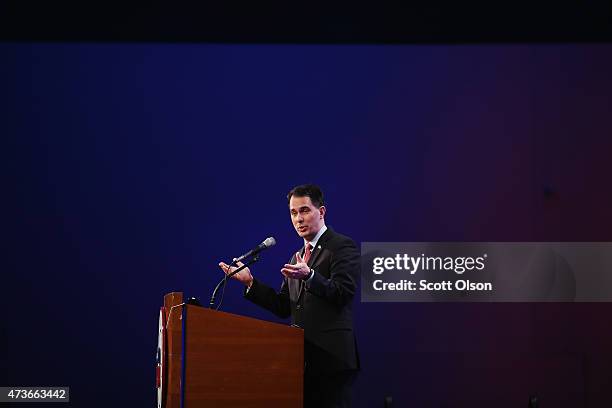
column 316, row 238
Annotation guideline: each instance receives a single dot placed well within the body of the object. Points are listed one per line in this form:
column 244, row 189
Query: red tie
column 307, row 253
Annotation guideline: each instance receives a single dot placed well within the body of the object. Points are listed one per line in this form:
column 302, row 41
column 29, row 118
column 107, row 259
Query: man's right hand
column 244, row 276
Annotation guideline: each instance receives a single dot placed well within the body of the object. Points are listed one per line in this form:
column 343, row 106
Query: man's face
column 306, row 218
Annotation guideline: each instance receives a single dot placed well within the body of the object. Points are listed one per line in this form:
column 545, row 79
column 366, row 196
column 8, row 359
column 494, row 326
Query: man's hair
column 308, row 190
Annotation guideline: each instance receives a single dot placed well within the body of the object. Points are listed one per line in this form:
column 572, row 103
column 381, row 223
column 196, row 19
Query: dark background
column 132, row 168
column 344, row 22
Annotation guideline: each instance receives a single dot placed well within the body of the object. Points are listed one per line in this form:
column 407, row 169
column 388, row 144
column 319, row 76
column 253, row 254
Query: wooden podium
column 216, row 359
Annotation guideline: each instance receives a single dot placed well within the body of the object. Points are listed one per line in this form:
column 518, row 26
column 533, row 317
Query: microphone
column 267, row 243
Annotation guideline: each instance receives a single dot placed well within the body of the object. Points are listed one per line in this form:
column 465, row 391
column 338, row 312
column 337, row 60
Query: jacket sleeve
column 341, row 285
column 268, row 298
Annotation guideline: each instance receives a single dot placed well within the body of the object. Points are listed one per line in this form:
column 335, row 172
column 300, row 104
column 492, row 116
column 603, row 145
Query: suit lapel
column 319, row 248
column 313, row 256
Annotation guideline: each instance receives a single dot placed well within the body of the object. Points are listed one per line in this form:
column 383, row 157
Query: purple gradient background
column 132, row 169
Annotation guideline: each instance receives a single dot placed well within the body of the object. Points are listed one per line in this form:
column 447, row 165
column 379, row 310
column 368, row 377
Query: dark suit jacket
column 323, row 306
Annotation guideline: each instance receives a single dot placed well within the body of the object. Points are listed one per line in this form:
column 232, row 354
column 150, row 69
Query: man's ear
column 322, row 211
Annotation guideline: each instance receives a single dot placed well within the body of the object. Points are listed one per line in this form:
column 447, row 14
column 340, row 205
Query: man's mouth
column 302, row 228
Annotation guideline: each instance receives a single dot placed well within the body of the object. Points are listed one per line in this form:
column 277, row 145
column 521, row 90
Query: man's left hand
column 299, row 270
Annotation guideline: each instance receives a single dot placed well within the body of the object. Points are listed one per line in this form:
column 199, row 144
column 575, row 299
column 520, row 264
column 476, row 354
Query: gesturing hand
column 299, row 270
column 244, row 276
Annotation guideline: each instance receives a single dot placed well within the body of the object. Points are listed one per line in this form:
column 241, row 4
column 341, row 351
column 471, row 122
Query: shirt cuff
column 312, row 273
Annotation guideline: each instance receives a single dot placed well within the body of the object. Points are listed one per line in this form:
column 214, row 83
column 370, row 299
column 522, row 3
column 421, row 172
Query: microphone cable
column 224, row 285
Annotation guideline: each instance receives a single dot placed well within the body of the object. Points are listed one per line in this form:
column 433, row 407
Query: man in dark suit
column 317, row 291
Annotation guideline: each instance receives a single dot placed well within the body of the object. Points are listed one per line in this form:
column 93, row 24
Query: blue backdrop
column 131, row 170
